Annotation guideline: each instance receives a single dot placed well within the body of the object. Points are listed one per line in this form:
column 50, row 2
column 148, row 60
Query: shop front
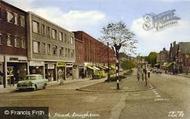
column 1, row 70
column 15, row 68
column 50, row 71
column 61, row 74
column 37, row 67
column 69, row 71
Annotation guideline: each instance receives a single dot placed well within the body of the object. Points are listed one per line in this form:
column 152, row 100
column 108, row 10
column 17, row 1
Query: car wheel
column 35, row 88
column 44, row 87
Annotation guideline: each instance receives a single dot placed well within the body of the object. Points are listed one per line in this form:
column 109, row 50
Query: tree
column 118, row 36
column 151, row 58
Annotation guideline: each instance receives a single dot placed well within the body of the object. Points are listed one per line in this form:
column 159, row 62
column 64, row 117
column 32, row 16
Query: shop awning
column 89, row 67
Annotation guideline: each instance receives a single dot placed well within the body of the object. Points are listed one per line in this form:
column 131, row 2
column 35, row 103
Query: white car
column 34, row 81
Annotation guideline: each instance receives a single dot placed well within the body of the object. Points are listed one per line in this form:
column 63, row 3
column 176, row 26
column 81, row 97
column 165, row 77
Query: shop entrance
column 16, row 72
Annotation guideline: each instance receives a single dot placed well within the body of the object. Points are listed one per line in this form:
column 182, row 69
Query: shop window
column 60, row 36
column 22, row 21
column 9, row 40
column 35, row 27
column 53, row 33
column 10, row 17
column 36, row 47
column 1, row 39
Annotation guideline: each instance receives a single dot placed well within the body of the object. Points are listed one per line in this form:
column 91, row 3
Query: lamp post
column 108, row 78
column 117, row 48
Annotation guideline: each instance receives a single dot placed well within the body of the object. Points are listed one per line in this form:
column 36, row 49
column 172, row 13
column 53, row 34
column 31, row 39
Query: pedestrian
column 138, row 73
column 148, row 73
column 145, row 74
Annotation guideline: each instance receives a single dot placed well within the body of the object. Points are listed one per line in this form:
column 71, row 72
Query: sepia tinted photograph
column 94, row 59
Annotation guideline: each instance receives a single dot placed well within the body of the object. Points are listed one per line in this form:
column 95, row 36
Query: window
column 48, row 48
column 72, row 53
column 9, row 40
column 43, row 48
column 0, row 39
column 55, row 50
column 36, row 47
column 22, row 21
column 60, row 36
column 15, row 19
column 23, row 43
column 17, row 42
column 66, row 52
column 43, row 29
column 35, row 27
column 65, row 38
column 61, row 51
column 53, row 33
column 10, row 17
column 71, row 40
column 69, row 51
column 48, row 31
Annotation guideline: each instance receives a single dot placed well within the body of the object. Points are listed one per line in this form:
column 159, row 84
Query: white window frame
column 36, row 47
column 35, row 26
column 9, row 40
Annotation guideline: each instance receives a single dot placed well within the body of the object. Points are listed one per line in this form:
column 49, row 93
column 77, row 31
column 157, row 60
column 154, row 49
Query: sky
column 91, row 15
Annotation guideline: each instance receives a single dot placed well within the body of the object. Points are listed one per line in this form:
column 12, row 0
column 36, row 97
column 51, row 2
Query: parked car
column 34, row 81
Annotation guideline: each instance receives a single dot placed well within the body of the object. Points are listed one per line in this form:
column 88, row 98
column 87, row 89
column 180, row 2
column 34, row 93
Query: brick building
column 179, row 54
column 13, row 49
column 91, row 52
column 163, row 56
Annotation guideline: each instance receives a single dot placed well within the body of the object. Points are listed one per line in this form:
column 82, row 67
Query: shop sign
column 51, row 66
column 36, row 63
column 60, row 64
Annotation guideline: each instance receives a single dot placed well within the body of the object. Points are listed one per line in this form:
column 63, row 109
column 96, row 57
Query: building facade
column 179, row 54
column 163, row 56
column 13, row 40
column 92, row 52
column 51, row 49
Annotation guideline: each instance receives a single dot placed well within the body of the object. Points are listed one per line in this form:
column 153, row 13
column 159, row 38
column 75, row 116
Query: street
column 165, row 97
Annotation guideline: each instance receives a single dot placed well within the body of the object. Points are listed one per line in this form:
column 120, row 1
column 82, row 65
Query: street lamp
column 117, row 48
column 108, row 78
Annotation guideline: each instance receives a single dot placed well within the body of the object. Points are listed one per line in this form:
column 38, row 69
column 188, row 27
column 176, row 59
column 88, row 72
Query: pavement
column 11, row 88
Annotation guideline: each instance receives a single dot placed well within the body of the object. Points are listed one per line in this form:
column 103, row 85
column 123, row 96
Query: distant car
column 34, row 81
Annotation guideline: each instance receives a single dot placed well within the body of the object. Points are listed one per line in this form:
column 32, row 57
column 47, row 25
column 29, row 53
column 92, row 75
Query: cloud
column 71, row 20
column 23, row 4
column 74, row 19
column 156, row 40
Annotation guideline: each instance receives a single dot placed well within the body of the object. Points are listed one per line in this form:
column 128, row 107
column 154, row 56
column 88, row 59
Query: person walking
column 145, row 75
column 138, row 73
